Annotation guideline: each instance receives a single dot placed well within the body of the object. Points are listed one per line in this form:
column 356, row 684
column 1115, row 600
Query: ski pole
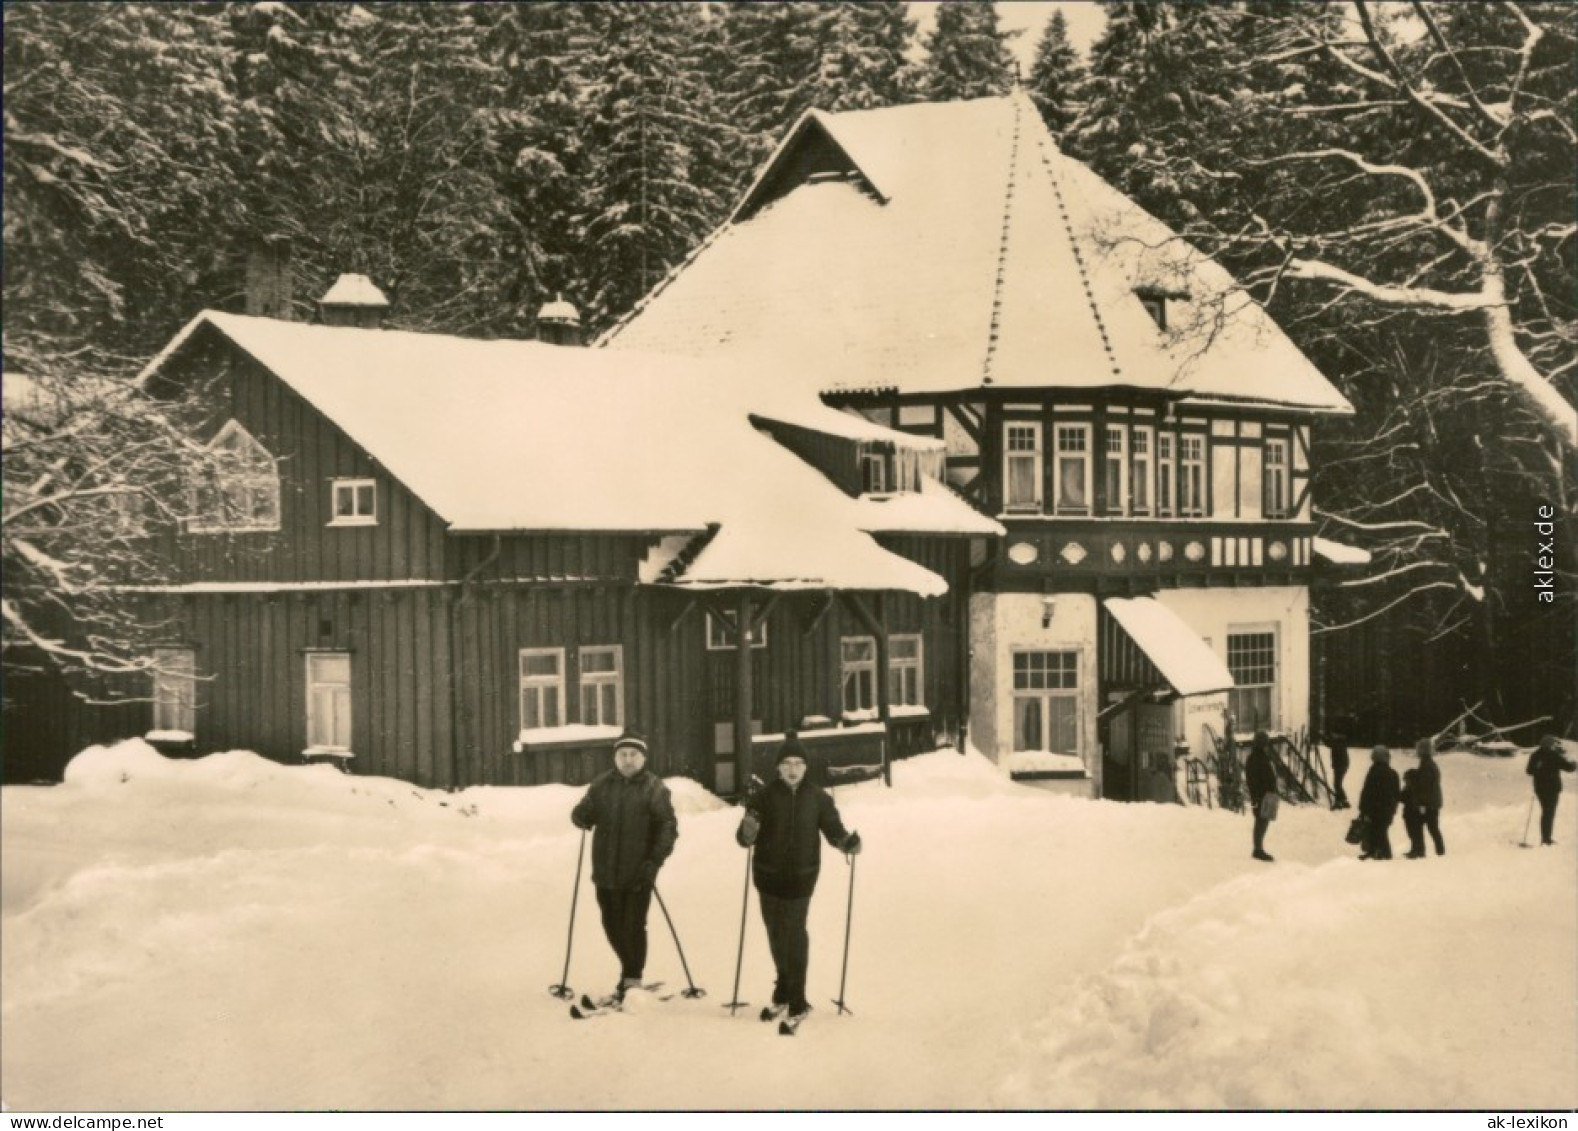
column 849, row 914
column 739, row 957
column 562, row 990
column 693, row 991
column 1524, row 843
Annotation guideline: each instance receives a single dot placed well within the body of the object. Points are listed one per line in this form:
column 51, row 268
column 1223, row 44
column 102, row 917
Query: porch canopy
column 1181, row 658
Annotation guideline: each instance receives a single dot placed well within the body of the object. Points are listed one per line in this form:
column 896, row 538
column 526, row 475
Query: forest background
column 1394, row 181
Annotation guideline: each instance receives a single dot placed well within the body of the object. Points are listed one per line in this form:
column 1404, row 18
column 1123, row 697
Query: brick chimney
column 353, row 301
column 269, row 290
column 559, row 323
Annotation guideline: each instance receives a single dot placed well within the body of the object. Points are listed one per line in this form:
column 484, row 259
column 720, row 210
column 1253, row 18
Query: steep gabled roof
column 985, row 258
column 513, row 436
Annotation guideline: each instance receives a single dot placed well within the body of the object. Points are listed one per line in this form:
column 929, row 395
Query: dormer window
column 238, row 488
column 354, row 502
column 1154, row 300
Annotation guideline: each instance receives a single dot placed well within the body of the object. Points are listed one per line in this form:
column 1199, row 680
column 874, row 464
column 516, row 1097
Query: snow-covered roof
column 1185, row 660
column 354, row 290
column 513, row 435
column 991, row 259
column 934, row 509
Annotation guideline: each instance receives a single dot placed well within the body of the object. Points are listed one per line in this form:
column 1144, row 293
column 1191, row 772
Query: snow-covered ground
column 232, row 934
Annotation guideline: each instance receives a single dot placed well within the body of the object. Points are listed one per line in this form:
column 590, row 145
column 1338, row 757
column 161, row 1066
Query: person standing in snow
column 634, row 830
column 1378, row 804
column 1412, row 820
column 1427, row 796
column 783, row 820
column 1546, row 766
column 1260, row 779
column 1338, row 740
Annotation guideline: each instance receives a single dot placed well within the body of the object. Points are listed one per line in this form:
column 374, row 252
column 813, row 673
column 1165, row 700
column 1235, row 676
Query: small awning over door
column 1184, row 660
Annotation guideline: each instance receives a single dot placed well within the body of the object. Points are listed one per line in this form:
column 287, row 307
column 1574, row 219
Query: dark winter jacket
column 788, row 853
column 1260, row 774
column 1546, row 766
column 1381, row 793
column 635, row 828
column 1427, row 784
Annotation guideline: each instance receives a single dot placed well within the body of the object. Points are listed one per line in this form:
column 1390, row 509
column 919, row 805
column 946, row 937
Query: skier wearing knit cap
column 635, row 828
column 783, row 821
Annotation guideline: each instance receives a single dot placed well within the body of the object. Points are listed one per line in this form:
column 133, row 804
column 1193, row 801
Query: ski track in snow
column 231, row 934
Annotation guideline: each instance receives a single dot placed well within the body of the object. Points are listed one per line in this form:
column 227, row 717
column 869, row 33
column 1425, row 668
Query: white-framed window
column 1022, row 466
column 1191, row 475
column 238, row 486
column 1115, row 467
column 542, row 687
column 1165, row 475
column 174, row 675
column 1140, row 456
column 858, row 668
column 874, row 479
column 906, row 670
column 602, row 685
column 1046, row 701
column 328, row 702
column 1072, row 469
column 353, row 502
column 1278, row 496
column 719, row 637
column 1252, row 662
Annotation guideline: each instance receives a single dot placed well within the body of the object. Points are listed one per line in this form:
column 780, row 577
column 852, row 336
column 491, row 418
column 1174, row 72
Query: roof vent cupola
column 354, row 300
column 559, row 323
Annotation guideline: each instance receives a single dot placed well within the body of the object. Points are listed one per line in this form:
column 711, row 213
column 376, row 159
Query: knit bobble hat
column 791, row 749
column 632, row 738
column 1381, row 754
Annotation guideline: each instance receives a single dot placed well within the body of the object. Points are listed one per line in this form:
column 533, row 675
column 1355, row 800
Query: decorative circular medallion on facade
column 1143, row 551
column 1118, row 552
column 1073, row 553
column 1023, row 553
column 1277, row 551
column 1194, row 551
column 1164, row 551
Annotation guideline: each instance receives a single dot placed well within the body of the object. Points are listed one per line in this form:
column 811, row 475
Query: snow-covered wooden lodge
column 1139, row 426
column 461, row 562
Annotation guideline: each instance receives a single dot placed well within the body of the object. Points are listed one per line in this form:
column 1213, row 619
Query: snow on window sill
column 327, row 752
column 1045, row 762
column 172, row 737
column 909, row 711
column 575, row 734
column 355, row 520
column 864, row 715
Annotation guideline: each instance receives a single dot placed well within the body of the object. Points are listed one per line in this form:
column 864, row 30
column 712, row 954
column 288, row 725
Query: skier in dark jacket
column 1260, row 779
column 1378, row 804
column 635, row 829
column 1427, row 795
column 783, row 820
column 1546, row 766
